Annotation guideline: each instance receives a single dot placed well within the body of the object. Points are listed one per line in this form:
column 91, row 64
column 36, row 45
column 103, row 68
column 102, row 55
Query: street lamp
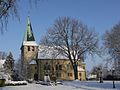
column 101, row 77
column 113, row 70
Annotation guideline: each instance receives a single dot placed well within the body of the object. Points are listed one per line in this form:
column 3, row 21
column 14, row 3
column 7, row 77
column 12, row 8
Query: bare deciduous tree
column 98, row 71
column 3, row 55
column 112, row 44
column 7, row 8
column 112, row 40
column 72, row 39
column 10, row 8
column 20, row 69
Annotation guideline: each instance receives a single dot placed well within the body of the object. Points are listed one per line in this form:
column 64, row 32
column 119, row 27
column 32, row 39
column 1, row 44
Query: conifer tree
column 9, row 64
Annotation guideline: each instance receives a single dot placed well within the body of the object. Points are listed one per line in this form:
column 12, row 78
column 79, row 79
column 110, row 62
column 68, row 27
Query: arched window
column 28, row 48
column 80, row 74
column 69, row 66
column 46, row 66
column 33, row 48
column 58, row 66
column 83, row 67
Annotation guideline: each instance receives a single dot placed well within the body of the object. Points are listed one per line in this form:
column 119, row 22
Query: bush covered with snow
column 14, row 83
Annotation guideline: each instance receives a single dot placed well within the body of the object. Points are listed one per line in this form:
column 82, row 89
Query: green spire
column 29, row 33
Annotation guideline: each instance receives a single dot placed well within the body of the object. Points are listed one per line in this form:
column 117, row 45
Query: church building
column 39, row 61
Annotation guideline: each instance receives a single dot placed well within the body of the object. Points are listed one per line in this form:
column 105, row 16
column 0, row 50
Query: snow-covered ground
column 9, row 82
column 38, row 87
column 68, row 85
column 93, row 85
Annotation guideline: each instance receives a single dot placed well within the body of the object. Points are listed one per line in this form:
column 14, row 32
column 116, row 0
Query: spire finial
column 28, row 13
column 28, row 19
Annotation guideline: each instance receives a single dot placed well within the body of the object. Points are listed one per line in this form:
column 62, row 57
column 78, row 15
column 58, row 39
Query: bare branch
column 71, row 38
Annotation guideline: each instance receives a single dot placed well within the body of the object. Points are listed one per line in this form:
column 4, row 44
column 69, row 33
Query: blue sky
column 99, row 14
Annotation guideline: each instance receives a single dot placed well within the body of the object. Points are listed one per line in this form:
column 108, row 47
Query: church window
column 70, row 74
column 33, row 48
column 83, row 67
column 80, row 74
column 56, row 67
column 35, row 67
column 28, row 48
column 60, row 67
column 58, row 74
column 46, row 66
column 69, row 66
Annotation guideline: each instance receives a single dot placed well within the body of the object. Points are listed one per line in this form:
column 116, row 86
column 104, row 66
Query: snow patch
column 1, row 63
column 32, row 62
column 46, row 52
column 80, row 69
column 30, row 43
column 9, row 83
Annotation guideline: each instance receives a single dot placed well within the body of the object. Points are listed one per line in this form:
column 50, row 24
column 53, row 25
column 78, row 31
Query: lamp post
column 113, row 70
column 101, row 77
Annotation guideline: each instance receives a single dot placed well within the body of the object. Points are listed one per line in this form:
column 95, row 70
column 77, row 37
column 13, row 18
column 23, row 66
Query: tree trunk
column 75, row 71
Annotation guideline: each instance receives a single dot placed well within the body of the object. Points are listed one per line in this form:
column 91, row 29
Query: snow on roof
column 80, row 69
column 30, row 43
column 46, row 52
column 49, row 53
column 92, row 76
column 32, row 62
column 1, row 63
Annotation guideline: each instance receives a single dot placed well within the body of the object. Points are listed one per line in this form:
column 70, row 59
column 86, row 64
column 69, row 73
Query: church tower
column 29, row 46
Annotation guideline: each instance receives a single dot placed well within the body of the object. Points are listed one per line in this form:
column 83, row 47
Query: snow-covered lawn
column 93, row 85
column 37, row 87
column 68, row 85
